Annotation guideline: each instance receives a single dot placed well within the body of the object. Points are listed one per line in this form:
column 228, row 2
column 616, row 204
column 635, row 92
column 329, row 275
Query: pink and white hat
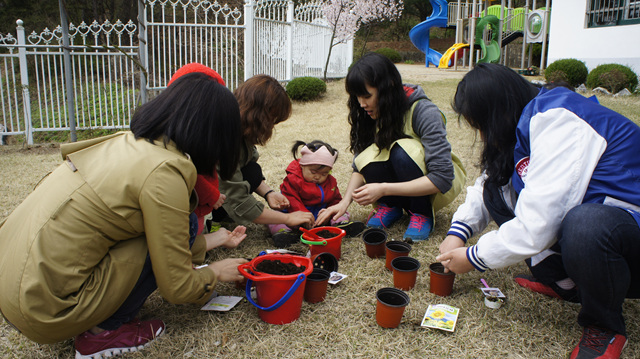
column 321, row 156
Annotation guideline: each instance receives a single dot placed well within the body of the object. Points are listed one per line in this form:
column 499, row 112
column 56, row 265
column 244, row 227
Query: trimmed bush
column 391, row 54
column 306, row 88
column 613, row 77
column 573, row 71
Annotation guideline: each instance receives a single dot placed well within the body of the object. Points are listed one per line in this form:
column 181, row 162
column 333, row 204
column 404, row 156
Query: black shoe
column 284, row 239
column 352, row 228
column 599, row 343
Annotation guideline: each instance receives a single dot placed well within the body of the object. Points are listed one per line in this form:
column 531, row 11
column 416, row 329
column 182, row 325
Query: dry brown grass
column 344, row 326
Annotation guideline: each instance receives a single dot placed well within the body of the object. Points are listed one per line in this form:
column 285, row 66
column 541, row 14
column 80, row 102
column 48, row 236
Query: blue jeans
column 145, row 286
column 399, row 168
column 600, row 248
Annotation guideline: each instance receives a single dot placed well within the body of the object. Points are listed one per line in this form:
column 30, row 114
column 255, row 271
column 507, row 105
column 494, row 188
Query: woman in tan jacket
column 114, row 222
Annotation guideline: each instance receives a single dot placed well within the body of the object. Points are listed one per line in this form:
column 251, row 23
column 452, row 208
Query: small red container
column 319, row 245
column 405, row 272
column 390, row 307
column 395, row 249
column 316, row 287
column 374, row 240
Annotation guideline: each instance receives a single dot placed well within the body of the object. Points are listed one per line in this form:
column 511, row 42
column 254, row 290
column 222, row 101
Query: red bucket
column 279, row 296
column 319, row 244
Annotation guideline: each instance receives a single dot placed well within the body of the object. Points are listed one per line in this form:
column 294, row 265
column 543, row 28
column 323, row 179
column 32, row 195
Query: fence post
column 248, row 38
column 289, row 69
column 71, row 108
column 142, row 50
column 24, row 78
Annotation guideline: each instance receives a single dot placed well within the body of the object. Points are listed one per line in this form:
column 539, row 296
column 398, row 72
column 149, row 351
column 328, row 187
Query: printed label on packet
column 222, row 303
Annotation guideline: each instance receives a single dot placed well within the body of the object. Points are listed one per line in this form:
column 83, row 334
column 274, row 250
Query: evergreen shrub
column 613, row 77
column 391, row 54
column 571, row 70
column 306, row 88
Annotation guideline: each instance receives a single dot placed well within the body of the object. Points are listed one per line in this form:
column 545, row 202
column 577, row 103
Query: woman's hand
column 220, row 201
column 368, row 194
column 223, row 237
column 277, row 201
column 455, row 261
column 331, row 213
column 450, row 243
column 226, row 270
column 300, row 218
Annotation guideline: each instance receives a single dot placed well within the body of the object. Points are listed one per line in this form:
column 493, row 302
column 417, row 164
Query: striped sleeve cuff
column 460, row 230
column 472, row 256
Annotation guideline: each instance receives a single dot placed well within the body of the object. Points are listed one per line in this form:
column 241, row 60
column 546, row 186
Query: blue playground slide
column 419, row 35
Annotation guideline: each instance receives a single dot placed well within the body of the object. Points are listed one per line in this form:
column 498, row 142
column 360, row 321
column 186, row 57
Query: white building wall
column 570, row 38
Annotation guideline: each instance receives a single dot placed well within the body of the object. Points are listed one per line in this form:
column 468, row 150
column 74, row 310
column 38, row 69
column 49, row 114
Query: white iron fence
column 114, row 67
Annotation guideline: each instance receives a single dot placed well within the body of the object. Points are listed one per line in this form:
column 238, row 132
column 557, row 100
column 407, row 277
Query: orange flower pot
column 405, row 272
column 440, row 283
column 395, row 249
column 390, row 307
column 316, row 288
column 374, row 240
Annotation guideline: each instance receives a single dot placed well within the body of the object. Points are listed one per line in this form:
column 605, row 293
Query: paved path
column 423, row 73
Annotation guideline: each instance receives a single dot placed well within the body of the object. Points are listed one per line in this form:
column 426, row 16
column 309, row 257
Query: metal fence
column 115, row 67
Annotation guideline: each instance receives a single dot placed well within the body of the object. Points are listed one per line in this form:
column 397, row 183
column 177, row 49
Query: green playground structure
column 491, row 51
column 486, row 30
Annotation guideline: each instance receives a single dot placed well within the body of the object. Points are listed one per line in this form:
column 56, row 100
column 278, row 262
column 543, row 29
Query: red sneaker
column 532, row 284
column 570, row 295
column 599, row 343
column 130, row 337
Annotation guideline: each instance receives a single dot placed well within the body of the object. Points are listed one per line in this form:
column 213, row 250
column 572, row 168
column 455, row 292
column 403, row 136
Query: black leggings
column 398, row 168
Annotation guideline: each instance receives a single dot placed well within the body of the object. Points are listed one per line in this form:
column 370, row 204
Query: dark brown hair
column 263, row 104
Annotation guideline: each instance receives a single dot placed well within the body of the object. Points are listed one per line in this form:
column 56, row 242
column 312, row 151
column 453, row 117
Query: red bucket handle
column 245, row 270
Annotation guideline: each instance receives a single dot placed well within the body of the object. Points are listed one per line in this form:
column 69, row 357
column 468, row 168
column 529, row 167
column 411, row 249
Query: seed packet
column 441, row 316
column 221, row 303
column 336, row 277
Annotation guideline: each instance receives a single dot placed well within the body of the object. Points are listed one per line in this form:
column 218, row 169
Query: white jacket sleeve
column 564, row 153
column 472, row 216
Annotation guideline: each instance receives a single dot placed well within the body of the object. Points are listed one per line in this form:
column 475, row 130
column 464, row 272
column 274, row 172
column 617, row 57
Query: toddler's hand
column 220, row 201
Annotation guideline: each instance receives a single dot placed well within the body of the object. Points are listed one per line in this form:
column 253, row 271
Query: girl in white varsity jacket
column 561, row 178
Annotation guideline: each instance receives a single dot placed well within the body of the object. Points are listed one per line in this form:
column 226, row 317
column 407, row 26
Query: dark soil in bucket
column 325, row 234
column 276, row 267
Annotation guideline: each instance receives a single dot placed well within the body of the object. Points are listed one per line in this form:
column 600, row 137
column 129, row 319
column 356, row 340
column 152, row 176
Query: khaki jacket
column 71, row 253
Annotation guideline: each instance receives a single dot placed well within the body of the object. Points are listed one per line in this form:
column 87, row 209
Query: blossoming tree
column 345, row 17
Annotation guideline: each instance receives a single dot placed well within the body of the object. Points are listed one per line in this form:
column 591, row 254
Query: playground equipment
column 456, row 49
column 419, row 34
column 491, row 29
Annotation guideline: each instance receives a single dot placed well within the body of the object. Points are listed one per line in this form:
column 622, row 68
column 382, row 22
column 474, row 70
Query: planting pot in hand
column 440, row 283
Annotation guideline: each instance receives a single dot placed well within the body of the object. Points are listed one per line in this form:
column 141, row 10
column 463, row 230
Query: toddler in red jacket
column 309, row 186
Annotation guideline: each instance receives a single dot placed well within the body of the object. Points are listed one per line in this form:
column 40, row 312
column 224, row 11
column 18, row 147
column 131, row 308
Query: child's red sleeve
column 208, row 193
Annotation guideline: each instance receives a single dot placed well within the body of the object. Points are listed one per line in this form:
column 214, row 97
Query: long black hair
column 377, row 71
column 491, row 98
column 200, row 116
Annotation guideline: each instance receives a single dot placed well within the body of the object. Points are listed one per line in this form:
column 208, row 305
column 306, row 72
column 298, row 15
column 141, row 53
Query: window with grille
column 613, row 12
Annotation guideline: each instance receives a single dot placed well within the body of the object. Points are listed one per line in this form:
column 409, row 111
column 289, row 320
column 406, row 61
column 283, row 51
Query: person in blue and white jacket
column 561, row 178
